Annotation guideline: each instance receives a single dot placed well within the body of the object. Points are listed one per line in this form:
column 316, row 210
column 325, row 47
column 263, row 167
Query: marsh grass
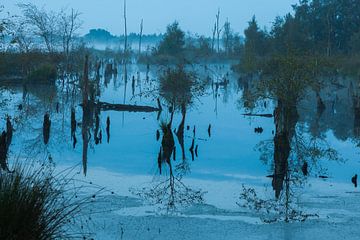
column 37, row 204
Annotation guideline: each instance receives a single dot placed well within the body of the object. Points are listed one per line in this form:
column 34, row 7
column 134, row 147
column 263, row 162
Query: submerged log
column 104, row 106
column 258, row 115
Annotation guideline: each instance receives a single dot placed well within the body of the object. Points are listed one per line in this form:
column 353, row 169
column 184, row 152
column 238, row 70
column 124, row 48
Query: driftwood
column 258, row 115
column 104, row 106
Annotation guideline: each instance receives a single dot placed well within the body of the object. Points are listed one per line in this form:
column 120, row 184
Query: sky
column 195, row 16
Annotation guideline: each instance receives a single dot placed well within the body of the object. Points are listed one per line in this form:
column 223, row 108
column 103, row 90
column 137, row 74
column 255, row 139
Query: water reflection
column 291, row 151
column 170, row 191
column 166, row 126
column 178, row 88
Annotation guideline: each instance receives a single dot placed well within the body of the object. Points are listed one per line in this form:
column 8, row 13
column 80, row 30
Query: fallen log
column 258, row 115
column 104, row 106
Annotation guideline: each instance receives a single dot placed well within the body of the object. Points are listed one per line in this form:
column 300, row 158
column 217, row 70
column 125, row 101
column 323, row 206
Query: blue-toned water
column 232, row 152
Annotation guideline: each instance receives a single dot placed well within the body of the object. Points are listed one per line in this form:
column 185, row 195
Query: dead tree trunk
column 85, row 86
column 180, row 131
column 73, row 123
column 285, row 118
column 125, row 28
column 3, row 151
column 213, row 38
column 108, row 129
column 86, row 114
column 140, row 37
column 9, row 132
column 218, row 30
column 46, row 128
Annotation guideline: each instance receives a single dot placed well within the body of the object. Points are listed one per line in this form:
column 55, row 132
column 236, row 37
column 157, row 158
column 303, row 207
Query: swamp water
column 198, row 163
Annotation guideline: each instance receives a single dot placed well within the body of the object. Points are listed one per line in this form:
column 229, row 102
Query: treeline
column 318, row 28
column 102, row 35
column 177, row 46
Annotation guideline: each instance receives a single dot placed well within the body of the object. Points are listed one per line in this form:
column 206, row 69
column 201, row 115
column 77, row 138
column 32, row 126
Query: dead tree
column 73, row 123
column 86, row 114
column 46, row 128
column 218, row 29
column 96, row 131
column 69, row 24
column 266, row 115
column 85, row 137
column 108, row 129
column 126, row 107
column 180, row 131
column 213, row 38
column 3, row 151
column 5, row 141
column 85, row 86
column 140, row 36
column 9, row 132
column 125, row 29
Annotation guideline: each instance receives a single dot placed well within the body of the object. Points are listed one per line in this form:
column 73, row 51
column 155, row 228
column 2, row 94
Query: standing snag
column 3, row 151
column 9, row 132
column 108, row 129
column 354, row 180
column 46, row 128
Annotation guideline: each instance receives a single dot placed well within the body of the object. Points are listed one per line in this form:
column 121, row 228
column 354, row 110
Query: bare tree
column 68, row 25
column 22, row 36
column 44, row 23
column 213, row 37
column 6, row 28
column 218, row 29
column 141, row 32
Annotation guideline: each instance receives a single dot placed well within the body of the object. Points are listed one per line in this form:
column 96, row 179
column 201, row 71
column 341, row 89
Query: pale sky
column 196, row 16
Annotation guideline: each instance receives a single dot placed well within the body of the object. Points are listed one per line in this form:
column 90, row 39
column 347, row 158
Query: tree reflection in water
column 290, row 153
column 169, row 190
column 177, row 88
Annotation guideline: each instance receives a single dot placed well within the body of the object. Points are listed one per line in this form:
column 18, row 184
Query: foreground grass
column 37, row 204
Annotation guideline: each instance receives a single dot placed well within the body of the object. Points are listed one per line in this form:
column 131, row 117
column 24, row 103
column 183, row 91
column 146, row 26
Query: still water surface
column 229, row 151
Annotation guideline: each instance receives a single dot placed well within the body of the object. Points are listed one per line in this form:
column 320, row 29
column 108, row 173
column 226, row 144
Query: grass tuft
column 37, row 204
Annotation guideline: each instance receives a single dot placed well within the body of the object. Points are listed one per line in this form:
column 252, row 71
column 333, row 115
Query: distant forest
column 102, row 35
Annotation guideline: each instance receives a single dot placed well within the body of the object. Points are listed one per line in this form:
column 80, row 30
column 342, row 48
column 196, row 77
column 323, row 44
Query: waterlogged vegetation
column 212, row 135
